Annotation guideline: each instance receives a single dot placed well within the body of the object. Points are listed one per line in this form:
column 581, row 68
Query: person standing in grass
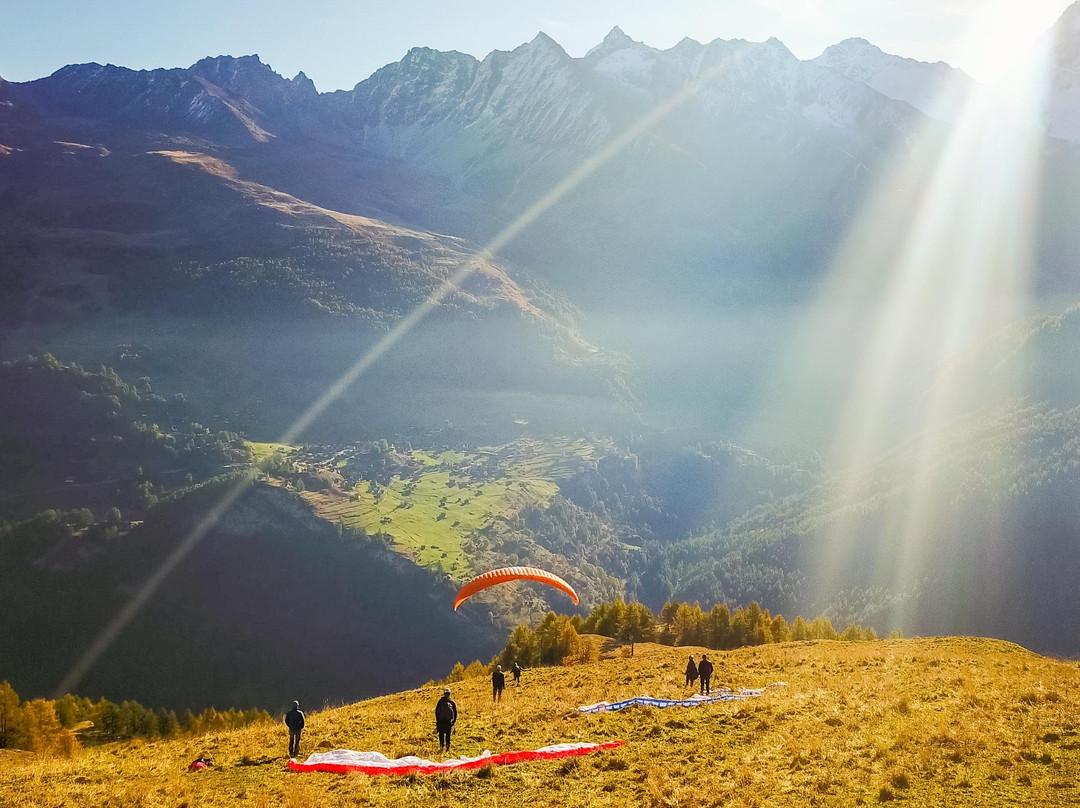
column 516, row 670
column 498, row 684
column 445, row 718
column 704, row 670
column 691, row 671
column 294, row 720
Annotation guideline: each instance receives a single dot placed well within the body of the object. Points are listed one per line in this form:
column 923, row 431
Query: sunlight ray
column 992, row 286
column 962, row 272
column 590, row 165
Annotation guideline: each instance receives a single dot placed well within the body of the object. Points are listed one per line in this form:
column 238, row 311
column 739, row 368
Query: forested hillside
column 995, row 510
column 77, row 438
column 272, row 604
column 330, row 533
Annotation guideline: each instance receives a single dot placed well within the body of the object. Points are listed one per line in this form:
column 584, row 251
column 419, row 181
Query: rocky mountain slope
column 134, row 203
column 937, row 90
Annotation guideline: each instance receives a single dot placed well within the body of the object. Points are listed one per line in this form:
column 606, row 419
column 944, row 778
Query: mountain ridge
column 938, row 90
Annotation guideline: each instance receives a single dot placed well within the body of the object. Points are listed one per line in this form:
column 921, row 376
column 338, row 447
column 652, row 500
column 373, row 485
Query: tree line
column 558, row 639
column 60, row 726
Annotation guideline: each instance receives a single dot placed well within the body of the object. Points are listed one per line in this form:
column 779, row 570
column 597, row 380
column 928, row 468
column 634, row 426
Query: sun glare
column 1002, row 34
column 942, row 256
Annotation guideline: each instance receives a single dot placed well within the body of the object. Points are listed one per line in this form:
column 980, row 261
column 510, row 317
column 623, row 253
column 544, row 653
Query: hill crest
column 929, row 721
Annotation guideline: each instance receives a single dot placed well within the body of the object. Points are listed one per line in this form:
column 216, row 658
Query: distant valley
column 672, row 324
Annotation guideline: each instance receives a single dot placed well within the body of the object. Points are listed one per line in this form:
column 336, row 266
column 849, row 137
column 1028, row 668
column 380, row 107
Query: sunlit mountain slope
column 921, row 722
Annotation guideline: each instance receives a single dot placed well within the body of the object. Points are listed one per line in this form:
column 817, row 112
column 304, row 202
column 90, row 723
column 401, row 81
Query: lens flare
column 146, row 591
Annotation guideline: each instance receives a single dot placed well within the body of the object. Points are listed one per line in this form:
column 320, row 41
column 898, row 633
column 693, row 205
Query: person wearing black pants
column 294, row 720
column 691, row 671
column 445, row 718
column 704, row 671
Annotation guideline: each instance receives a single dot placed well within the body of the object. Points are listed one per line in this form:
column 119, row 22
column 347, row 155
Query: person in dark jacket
column 294, row 720
column 516, row 670
column 498, row 683
column 445, row 718
column 691, row 671
column 704, row 670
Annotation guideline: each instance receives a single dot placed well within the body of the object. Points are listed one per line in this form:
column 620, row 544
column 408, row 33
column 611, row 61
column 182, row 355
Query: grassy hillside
column 927, row 722
column 430, row 502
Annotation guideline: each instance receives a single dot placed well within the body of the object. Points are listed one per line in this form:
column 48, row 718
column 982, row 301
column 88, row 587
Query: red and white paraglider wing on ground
column 343, row 761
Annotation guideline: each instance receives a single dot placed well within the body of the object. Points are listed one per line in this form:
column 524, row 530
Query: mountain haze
column 627, row 316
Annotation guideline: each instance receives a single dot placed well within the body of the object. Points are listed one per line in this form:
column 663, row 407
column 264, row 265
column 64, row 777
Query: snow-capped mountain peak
column 1070, row 19
column 616, row 39
column 543, row 44
column 621, row 58
column 1065, row 39
column 937, row 90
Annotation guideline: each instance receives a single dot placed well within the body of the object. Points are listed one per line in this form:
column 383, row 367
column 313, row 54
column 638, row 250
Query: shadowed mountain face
column 272, row 605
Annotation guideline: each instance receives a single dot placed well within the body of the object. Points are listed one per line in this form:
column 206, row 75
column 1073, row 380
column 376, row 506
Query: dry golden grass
column 916, row 722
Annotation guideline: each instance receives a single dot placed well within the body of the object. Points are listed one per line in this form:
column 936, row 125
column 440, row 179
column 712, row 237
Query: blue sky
column 340, row 42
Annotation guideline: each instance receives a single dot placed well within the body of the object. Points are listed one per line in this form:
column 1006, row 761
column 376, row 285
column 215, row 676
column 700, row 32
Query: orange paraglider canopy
column 505, row 574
